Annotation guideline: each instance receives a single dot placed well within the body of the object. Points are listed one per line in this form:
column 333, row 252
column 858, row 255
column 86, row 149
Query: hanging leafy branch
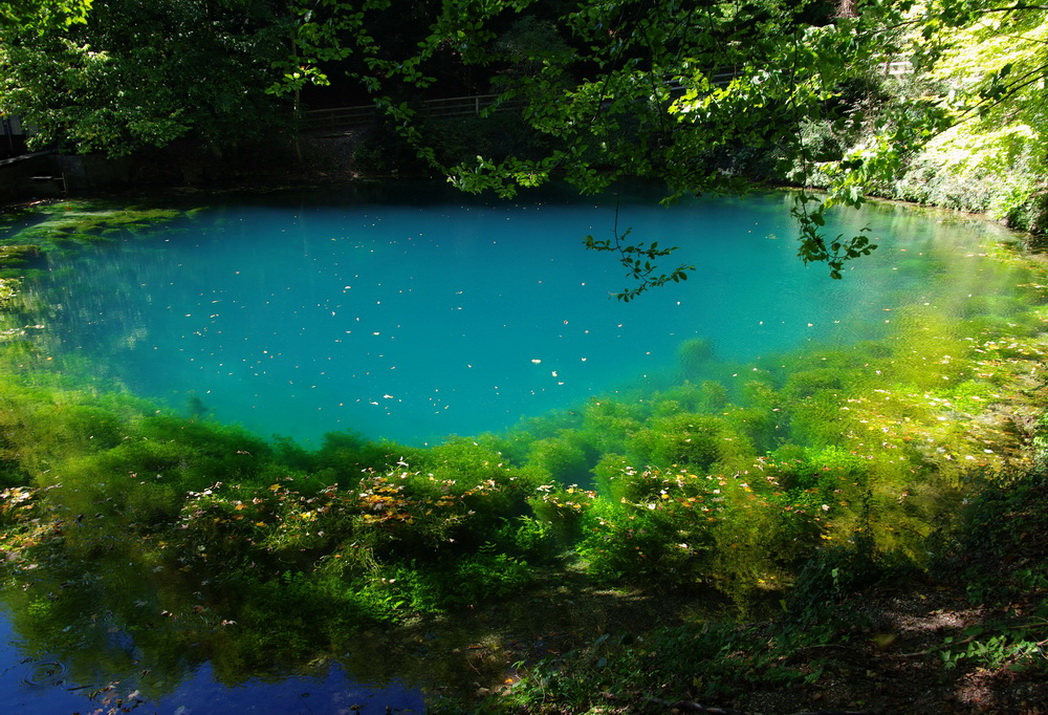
column 816, row 247
column 639, row 260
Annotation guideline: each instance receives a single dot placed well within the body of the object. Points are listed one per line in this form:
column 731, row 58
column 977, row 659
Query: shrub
column 759, row 543
column 528, row 537
column 761, row 427
column 346, row 455
column 657, row 525
column 563, row 509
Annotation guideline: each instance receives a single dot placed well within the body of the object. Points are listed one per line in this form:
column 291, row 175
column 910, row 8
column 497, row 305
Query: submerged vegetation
column 776, row 489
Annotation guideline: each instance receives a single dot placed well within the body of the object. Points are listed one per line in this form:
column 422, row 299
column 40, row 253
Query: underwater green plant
column 61, row 222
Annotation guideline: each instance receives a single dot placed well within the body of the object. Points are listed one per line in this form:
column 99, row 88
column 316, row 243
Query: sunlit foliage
column 992, row 158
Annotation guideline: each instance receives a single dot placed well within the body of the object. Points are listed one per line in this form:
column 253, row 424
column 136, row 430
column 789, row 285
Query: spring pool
column 410, row 314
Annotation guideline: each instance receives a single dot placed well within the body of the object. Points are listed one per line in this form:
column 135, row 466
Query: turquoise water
column 419, row 314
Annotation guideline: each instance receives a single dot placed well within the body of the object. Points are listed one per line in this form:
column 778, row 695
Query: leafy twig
column 639, row 260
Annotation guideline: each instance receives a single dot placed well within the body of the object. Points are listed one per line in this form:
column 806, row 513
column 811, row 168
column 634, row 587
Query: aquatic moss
column 8, row 290
column 65, row 222
column 14, row 257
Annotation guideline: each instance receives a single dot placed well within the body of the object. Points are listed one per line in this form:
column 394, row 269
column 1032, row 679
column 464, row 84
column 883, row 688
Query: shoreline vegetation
column 747, row 545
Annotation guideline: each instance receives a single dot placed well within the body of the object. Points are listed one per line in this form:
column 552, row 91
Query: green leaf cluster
column 135, row 75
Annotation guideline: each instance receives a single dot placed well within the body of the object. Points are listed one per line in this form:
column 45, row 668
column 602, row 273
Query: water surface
column 425, row 315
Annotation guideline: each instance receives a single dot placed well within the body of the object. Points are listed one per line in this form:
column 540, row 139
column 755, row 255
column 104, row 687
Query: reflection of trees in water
column 95, row 299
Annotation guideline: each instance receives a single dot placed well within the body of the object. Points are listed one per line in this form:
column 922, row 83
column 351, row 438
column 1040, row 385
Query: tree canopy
column 42, row 14
column 137, row 74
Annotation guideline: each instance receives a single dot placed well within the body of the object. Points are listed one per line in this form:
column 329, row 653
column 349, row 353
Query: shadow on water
column 84, row 642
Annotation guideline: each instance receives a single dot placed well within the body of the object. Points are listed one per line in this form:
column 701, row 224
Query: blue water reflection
column 41, row 684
